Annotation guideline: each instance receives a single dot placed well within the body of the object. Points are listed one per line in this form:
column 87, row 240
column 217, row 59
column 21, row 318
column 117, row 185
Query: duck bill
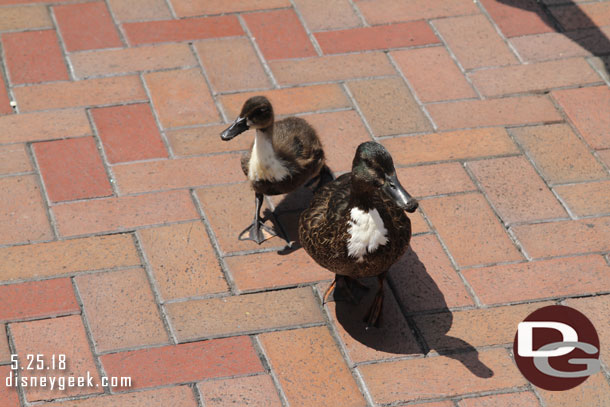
column 393, row 189
column 239, row 126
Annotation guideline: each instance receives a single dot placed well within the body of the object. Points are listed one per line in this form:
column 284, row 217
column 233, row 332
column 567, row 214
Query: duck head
column 256, row 113
column 373, row 170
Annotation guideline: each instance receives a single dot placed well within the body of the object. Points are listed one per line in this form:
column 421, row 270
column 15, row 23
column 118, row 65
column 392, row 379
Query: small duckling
column 285, row 155
column 356, row 225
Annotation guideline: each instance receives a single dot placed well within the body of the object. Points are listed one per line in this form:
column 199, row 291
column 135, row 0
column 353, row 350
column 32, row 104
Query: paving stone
column 586, row 199
column 175, row 395
column 183, row 363
column 37, row 299
column 572, row 17
column 5, row 352
column 129, row 10
column 5, row 107
column 8, row 395
column 328, row 15
column 182, row 261
column 24, row 17
column 541, row 47
column 604, row 155
column 24, row 127
column 437, row 179
column 389, row 11
column 86, row 26
column 255, row 391
column 188, row 8
column 206, row 140
column 519, row 17
column 595, row 309
column 14, row 158
column 23, row 216
column 595, row 391
column 539, row 279
column 525, row 399
column 310, row 368
column 72, row 169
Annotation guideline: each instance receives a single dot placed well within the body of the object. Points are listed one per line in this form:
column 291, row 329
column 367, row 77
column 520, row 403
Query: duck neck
column 361, row 199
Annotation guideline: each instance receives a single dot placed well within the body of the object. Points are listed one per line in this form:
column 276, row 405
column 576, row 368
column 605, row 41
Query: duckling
column 285, row 155
column 356, row 225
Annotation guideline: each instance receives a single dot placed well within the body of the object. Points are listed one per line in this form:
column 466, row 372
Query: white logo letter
column 526, row 338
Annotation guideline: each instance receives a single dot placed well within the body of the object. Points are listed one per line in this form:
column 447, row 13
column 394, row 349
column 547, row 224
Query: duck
column 356, row 226
column 284, row 156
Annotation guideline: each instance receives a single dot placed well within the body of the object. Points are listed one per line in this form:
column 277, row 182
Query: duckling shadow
column 415, row 318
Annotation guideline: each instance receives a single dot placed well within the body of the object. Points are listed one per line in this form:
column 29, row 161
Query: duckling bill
column 285, row 155
column 356, row 225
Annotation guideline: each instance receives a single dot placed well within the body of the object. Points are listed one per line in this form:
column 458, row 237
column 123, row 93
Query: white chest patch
column 264, row 164
column 367, row 233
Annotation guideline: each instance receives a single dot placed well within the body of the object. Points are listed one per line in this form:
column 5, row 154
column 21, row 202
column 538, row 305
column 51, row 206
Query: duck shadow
column 422, row 294
column 590, row 37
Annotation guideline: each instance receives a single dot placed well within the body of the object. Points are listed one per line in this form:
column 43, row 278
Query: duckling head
column 256, row 113
column 373, row 170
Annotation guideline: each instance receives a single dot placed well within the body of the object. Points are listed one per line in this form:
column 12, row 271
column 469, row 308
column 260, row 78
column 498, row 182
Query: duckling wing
column 297, row 144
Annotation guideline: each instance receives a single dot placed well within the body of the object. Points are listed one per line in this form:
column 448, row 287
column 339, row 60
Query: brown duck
column 356, row 225
column 284, row 156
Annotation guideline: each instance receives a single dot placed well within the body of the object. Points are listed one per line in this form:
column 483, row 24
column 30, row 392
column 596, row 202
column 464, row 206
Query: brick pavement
column 120, row 206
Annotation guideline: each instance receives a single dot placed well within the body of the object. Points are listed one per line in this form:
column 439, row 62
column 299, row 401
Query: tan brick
column 331, row 68
column 188, row 8
column 493, row 112
column 123, row 213
column 539, row 279
column 24, row 127
column 146, row 58
column 254, row 391
column 327, row 15
column 129, row 10
column 572, row 17
column 176, row 395
column 604, row 155
column 181, row 98
column 513, row 19
column 14, row 158
column 24, row 17
column 224, row 60
column 427, row 378
column 558, row 153
column 470, row 230
column 206, row 140
column 533, row 77
column 543, row 47
column 291, row 100
column 182, row 260
column 57, row 336
column 5, row 352
column 8, row 395
column 178, row 173
column 565, row 237
column 596, row 310
column 586, row 199
column 525, row 399
column 310, row 368
column 121, row 310
column 244, row 313
column 389, row 107
column 92, row 92
column 437, row 179
column 387, row 11
column 594, row 392
column 68, row 257
column 456, row 145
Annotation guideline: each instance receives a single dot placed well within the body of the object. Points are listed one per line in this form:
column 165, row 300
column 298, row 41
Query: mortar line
column 266, row 362
column 310, row 35
column 208, row 82
column 172, row 12
column 117, row 25
column 160, row 128
column 100, row 148
column 198, row 395
column 62, row 42
column 352, row 99
column 258, row 51
column 13, row 351
column 358, row 13
column 44, row 193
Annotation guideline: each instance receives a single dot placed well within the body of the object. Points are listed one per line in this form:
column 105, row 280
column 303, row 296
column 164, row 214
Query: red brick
column 475, row 42
column 437, row 179
column 86, row 26
column 128, row 133
column 390, row 11
column 433, row 74
column 470, row 229
column 587, row 108
column 559, row 154
column 456, row 145
column 187, row 362
column 494, row 112
column 56, row 336
column 205, row 140
column 519, row 17
column 37, row 299
column 59, row 95
column 291, row 100
column 5, row 107
column 14, row 158
column 565, row 237
column 331, row 68
column 145, row 58
column 49, row 259
column 24, row 17
column 182, row 261
column 572, row 17
column 224, row 61
column 547, row 46
column 5, row 352
column 279, row 34
column 389, row 107
column 24, row 127
column 181, row 98
column 129, row 10
column 539, row 279
column 175, row 395
column 427, row 378
column 525, row 399
column 515, row 190
column 148, row 32
column 72, row 169
column 189, row 8
column 8, row 395
column 310, row 368
column 327, row 15
column 425, row 280
column 586, row 199
column 380, row 37
column 23, row 216
column 254, row 391
column 34, row 56
column 123, row 213
column 121, row 310
column 244, row 314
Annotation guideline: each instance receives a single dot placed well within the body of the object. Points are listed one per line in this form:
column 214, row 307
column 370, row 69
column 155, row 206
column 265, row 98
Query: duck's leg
column 344, row 288
column 373, row 316
column 257, row 231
